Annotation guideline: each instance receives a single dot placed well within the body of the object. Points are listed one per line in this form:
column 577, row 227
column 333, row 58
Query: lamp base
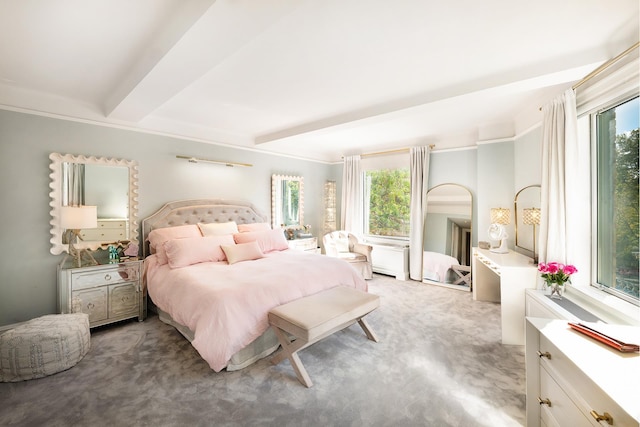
column 502, row 249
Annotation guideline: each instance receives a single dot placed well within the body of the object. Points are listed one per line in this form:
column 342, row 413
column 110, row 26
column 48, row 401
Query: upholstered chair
column 344, row 245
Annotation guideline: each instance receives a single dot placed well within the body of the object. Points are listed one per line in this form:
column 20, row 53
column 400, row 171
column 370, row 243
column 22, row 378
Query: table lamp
column 531, row 216
column 73, row 219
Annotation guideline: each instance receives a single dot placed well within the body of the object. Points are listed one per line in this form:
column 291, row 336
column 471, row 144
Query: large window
column 387, row 195
column 617, row 189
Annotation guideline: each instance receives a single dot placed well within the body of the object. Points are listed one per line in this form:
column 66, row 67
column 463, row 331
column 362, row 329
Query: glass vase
column 556, row 290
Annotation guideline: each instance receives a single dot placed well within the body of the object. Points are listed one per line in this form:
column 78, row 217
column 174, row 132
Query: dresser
column 107, row 293
column 573, row 380
column 504, row 278
column 108, row 230
column 309, row 244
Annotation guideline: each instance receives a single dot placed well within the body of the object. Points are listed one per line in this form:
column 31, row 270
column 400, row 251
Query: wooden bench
column 317, row 316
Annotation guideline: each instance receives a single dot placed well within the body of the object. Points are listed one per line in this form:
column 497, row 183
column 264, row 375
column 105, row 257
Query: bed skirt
column 261, row 347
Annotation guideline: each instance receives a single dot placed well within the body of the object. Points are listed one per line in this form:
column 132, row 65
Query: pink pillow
column 184, row 252
column 269, row 241
column 161, row 235
column 256, row 226
column 242, row 252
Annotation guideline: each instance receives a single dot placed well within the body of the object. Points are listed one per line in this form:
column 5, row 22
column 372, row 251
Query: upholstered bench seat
column 43, row 346
column 317, row 316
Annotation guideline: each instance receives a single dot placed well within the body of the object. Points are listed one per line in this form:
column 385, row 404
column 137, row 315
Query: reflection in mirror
column 447, row 245
column 287, row 201
column 527, row 198
column 109, row 184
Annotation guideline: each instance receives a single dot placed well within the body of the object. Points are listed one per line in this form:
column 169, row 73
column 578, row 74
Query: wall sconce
column 499, row 218
column 73, row 219
column 531, row 216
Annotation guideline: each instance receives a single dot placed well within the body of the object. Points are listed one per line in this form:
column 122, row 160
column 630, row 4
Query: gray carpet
column 439, row 362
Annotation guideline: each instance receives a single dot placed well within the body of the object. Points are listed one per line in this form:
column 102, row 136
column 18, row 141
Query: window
column 616, row 189
column 387, row 195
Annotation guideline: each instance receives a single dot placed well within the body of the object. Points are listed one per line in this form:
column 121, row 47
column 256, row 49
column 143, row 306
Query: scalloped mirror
column 287, row 201
column 109, row 184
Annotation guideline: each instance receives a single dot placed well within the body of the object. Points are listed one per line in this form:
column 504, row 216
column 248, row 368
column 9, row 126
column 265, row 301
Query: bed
column 443, row 268
column 216, row 284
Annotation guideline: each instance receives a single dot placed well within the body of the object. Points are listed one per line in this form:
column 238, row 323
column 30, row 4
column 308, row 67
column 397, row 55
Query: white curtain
column 419, row 168
column 351, row 209
column 565, row 191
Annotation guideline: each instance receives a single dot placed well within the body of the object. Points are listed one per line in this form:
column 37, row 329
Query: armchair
column 344, row 245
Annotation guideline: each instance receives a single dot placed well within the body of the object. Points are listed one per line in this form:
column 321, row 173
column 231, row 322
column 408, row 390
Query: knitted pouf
column 43, row 346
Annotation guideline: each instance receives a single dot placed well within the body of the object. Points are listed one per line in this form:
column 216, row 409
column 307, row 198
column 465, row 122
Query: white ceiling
column 313, row 79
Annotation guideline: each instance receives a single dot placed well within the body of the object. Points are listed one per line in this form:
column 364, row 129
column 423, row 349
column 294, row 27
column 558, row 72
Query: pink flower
column 553, row 268
column 569, row 269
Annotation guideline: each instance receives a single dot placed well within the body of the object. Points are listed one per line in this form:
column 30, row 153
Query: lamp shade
column 531, row 216
column 78, row 217
column 500, row 216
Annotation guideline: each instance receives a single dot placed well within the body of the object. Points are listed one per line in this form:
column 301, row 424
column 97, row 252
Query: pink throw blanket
column 227, row 305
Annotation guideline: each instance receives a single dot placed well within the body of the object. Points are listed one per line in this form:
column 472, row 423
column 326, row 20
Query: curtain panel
column 351, row 208
column 419, row 170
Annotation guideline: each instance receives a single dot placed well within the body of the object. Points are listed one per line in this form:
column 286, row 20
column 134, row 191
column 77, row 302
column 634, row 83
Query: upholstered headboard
column 184, row 212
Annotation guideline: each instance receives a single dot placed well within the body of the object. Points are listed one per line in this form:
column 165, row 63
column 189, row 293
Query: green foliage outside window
column 389, row 193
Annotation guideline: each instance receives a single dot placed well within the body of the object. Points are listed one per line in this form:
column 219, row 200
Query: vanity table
column 503, row 278
column 107, row 293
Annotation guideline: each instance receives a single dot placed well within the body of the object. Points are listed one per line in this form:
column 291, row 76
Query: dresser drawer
column 106, row 276
column 92, row 302
column 123, row 300
column 560, row 410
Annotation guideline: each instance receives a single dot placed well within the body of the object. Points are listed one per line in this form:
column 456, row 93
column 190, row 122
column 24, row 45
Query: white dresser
column 572, row 380
column 309, row 244
column 503, row 278
column 107, row 293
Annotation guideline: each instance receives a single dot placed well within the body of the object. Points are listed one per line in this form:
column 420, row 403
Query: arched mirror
column 109, row 184
column 287, row 201
column 526, row 207
column 447, row 237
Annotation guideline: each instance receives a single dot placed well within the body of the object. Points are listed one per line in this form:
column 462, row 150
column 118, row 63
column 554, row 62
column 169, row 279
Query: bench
column 317, row 316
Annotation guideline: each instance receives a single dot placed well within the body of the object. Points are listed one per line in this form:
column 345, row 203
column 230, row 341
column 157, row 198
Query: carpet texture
column 439, row 362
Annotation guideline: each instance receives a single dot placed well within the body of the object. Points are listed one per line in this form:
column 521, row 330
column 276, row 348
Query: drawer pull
column 604, row 417
column 542, row 401
column 91, row 306
column 545, row 354
column 107, row 277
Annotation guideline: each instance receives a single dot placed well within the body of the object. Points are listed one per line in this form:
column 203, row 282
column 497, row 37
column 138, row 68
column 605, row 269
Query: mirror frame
column 471, row 219
column 55, row 184
column 515, row 213
column 276, row 198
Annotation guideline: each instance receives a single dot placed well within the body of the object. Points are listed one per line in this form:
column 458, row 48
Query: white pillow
column 269, row 240
column 256, row 226
column 242, row 252
column 184, row 252
column 218, row 228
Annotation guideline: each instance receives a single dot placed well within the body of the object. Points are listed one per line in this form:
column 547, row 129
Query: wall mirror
column 110, row 184
column 287, row 201
column 447, row 237
column 525, row 226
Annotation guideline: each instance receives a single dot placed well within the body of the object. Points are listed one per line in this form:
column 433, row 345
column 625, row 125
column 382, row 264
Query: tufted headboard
column 200, row 210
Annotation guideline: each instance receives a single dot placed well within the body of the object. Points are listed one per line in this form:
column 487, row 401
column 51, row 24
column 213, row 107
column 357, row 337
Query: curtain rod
column 192, row 159
column 399, row 150
column 603, row 67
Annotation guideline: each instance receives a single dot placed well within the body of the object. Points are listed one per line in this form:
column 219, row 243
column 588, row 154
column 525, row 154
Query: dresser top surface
column 511, row 259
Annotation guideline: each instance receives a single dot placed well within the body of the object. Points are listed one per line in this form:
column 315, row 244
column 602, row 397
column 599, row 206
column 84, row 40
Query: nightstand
column 309, row 244
column 107, row 293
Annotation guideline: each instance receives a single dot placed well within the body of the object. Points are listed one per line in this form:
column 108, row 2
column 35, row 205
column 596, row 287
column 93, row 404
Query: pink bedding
column 227, row 305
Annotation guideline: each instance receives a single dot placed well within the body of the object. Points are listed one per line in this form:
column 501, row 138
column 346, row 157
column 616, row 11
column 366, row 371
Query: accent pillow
column 342, row 244
column 218, row 228
column 256, row 226
column 269, row 241
column 184, row 252
column 242, row 252
column 159, row 236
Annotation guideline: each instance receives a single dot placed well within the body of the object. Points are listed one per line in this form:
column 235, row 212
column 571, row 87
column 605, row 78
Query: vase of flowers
column 555, row 276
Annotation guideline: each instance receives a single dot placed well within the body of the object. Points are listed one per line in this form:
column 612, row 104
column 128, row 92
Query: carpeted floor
column 439, row 362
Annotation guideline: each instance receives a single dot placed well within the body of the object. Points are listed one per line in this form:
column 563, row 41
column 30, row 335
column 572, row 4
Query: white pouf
column 44, row 346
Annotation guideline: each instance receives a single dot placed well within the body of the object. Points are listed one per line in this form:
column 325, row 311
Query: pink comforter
column 227, row 305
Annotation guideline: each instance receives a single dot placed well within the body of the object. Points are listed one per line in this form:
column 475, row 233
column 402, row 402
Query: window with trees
column 387, row 198
column 616, row 193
